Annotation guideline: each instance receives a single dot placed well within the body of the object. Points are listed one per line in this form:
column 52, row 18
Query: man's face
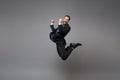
column 66, row 20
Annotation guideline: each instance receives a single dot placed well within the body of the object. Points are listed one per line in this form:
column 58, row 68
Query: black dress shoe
column 74, row 45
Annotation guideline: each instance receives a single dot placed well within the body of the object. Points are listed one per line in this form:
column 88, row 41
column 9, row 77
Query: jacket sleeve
column 52, row 27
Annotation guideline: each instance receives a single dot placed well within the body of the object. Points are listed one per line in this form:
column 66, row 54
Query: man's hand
column 60, row 21
column 52, row 22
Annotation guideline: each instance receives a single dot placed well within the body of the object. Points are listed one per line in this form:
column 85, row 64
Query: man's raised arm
column 52, row 25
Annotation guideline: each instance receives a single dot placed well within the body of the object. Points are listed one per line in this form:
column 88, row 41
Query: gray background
column 26, row 52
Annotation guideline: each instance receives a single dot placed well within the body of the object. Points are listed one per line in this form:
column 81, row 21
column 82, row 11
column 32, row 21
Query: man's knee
column 64, row 58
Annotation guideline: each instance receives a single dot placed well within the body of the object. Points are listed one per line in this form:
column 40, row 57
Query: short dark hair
column 68, row 16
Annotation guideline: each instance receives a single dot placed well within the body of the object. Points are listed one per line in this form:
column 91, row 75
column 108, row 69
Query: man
column 57, row 35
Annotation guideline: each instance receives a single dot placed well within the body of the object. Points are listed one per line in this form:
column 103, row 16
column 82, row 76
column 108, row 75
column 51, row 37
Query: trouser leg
column 63, row 52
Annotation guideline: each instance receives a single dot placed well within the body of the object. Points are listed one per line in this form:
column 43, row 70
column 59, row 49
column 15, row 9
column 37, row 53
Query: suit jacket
column 61, row 31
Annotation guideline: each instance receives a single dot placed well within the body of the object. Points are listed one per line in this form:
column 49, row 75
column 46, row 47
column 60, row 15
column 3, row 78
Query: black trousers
column 62, row 50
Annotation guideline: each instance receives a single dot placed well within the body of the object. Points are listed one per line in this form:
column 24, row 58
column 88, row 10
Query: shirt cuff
column 59, row 23
column 51, row 23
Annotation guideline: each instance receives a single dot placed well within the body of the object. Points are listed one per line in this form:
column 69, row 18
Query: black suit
column 57, row 35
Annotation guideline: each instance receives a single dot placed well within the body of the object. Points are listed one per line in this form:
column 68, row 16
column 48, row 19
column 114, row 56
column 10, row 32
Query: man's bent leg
column 68, row 52
column 62, row 51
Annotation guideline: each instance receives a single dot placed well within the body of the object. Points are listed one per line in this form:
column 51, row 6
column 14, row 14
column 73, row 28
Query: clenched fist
column 60, row 20
column 52, row 21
